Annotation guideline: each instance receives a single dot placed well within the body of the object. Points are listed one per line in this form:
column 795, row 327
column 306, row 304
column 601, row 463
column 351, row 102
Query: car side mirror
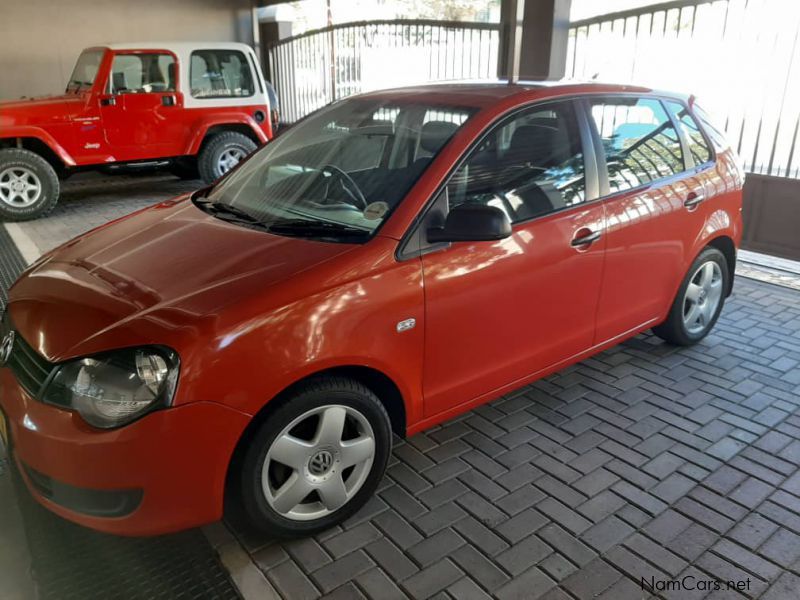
column 472, row 223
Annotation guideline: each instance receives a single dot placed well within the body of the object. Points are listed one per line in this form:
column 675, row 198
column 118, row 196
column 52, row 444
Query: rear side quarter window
column 696, row 141
column 220, row 74
column 639, row 142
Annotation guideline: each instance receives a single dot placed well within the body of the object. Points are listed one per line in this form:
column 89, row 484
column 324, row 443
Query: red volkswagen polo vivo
column 393, row 260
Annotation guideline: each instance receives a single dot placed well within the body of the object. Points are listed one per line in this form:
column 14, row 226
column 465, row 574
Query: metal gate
column 317, row 67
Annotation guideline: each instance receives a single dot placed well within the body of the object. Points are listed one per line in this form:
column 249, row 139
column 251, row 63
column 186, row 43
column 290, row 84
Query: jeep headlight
column 115, row 388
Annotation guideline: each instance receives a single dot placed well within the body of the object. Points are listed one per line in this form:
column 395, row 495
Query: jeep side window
column 142, row 73
column 220, row 74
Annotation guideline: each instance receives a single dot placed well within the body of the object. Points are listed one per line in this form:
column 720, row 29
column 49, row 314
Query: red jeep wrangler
column 197, row 108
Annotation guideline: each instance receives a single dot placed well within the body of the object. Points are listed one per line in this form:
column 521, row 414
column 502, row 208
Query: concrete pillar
column 533, row 39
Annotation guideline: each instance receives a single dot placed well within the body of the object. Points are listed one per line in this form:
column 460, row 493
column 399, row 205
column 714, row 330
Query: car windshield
column 339, row 173
column 85, row 69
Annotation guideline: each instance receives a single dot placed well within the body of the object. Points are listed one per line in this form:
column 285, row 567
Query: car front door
column 500, row 312
column 650, row 227
column 142, row 110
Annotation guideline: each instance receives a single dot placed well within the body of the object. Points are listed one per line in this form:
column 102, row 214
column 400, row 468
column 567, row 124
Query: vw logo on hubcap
column 320, row 463
column 6, row 346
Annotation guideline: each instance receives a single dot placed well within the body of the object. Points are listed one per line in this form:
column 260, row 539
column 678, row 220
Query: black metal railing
column 741, row 59
column 317, row 67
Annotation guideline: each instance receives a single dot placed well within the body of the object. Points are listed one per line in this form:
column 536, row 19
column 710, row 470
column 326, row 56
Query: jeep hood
column 168, row 267
column 40, row 110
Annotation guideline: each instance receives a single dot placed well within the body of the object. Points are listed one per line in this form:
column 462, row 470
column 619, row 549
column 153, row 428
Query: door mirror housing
column 472, row 223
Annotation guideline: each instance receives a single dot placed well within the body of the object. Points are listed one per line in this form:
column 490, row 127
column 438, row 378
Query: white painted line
column 26, row 246
column 247, row 577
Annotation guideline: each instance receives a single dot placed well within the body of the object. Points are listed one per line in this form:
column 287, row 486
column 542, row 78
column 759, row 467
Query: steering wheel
column 351, row 189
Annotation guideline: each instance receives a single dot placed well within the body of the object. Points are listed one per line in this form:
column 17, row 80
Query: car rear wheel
column 223, row 152
column 699, row 301
column 316, row 459
column 28, row 185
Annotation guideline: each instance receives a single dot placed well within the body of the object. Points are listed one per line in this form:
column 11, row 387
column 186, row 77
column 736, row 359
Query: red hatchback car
column 391, row 261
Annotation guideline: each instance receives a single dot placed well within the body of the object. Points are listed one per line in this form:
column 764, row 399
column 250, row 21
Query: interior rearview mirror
column 472, row 223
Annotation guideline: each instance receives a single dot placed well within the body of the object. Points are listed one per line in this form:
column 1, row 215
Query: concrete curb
column 248, row 579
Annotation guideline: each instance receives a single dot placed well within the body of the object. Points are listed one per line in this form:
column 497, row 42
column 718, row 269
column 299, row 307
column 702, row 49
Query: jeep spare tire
column 222, row 153
column 28, row 185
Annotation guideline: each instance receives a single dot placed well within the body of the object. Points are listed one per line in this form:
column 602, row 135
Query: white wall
column 40, row 39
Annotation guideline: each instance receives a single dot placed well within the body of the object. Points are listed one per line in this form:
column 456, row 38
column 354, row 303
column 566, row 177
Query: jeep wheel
column 222, row 153
column 28, row 185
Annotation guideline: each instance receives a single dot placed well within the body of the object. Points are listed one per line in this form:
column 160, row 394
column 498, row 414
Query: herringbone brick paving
column 644, row 461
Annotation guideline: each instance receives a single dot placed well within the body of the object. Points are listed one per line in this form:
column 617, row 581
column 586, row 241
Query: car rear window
column 220, row 74
column 640, row 143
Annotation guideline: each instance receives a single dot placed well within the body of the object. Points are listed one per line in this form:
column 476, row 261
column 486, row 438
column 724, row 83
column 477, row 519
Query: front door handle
column 168, row 100
column 585, row 240
column 693, row 200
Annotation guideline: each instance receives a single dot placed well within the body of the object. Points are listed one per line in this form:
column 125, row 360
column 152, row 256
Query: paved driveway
column 647, row 461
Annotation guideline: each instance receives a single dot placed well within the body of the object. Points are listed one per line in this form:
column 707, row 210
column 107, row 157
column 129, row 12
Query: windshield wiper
column 308, row 228
column 228, row 212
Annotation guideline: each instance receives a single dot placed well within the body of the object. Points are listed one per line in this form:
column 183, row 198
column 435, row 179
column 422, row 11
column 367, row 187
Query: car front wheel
column 699, row 301
column 28, row 185
column 316, row 459
column 223, row 152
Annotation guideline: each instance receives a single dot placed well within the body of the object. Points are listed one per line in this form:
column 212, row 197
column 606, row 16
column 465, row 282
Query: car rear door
column 499, row 312
column 142, row 112
column 652, row 216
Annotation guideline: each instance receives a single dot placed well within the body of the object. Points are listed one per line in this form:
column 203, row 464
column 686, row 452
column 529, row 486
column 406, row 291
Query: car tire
column 320, row 488
column 222, row 153
column 699, row 300
column 29, row 185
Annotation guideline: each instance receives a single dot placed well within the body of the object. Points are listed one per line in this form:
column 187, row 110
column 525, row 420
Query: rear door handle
column 585, row 240
column 693, row 200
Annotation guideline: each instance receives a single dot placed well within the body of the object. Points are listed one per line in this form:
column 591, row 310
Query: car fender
column 202, row 128
column 28, row 131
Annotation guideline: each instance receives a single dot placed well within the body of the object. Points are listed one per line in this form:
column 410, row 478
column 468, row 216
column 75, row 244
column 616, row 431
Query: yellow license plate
column 3, row 431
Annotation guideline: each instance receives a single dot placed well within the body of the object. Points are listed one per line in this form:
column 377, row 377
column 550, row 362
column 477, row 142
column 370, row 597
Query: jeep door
column 142, row 108
column 500, row 312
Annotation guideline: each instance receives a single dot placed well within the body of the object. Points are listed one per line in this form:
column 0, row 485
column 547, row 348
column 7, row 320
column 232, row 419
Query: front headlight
column 112, row 389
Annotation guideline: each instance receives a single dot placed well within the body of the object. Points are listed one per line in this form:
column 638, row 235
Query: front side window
column 85, row 71
column 698, row 147
column 142, row 73
column 220, row 74
column 339, row 173
column 530, row 165
column 640, row 143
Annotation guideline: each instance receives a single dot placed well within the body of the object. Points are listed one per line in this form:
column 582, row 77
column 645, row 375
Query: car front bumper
column 165, row 472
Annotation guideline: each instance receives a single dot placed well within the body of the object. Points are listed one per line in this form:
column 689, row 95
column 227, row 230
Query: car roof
column 178, row 47
column 480, row 94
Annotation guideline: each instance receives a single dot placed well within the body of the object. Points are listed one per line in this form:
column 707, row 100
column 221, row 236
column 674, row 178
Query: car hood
column 39, row 110
column 170, row 266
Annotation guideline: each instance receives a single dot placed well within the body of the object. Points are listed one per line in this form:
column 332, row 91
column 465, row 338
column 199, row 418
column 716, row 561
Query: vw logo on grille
column 320, row 463
column 6, row 346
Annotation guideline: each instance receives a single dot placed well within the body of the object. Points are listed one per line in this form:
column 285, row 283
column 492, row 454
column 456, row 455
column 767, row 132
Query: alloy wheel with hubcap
column 229, row 159
column 702, row 297
column 20, row 187
column 315, row 458
column 306, row 479
column 699, row 300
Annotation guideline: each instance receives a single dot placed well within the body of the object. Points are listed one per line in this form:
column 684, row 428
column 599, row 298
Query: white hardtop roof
column 175, row 46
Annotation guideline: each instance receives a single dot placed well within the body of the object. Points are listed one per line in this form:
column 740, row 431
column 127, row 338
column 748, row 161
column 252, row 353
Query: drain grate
column 73, row 563
column 11, row 264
